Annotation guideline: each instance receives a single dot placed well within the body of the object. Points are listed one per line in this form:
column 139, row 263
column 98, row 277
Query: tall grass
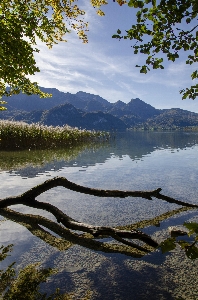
column 20, row 135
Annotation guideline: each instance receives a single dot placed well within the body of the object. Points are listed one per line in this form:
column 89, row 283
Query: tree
column 165, row 28
column 21, row 24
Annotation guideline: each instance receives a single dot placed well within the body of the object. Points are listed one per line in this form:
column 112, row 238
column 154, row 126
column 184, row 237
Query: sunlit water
column 131, row 161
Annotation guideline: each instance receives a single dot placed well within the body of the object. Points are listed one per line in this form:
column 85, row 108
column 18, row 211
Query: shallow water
column 131, row 161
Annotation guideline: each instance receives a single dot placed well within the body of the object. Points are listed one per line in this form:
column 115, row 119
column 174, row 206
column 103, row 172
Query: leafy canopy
column 165, row 28
column 21, row 23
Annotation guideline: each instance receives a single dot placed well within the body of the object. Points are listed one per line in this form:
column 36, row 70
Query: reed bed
column 20, row 135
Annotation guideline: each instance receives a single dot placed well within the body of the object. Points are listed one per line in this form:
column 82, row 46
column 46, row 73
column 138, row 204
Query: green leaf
column 192, row 252
column 188, row 20
column 193, row 227
column 138, row 14
column 131, row 3
column 115, row 36
column 168, row 245
column 143, row 69
column 119, row 31
column 145, row 10
column 186, row 47
column 140, row 4
column 194, row 74
column 183, row 244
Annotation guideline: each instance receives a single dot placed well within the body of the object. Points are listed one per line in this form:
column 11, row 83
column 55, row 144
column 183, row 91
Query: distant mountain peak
column 93, row 112
column 88, row 97
column 120, row 102
column 137, row 101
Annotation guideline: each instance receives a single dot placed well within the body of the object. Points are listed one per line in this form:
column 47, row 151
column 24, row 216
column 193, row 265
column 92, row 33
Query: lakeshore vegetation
column 20, row 136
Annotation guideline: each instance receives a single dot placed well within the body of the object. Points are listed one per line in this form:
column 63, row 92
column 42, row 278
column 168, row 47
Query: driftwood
column 61, row 181
column 120, row 235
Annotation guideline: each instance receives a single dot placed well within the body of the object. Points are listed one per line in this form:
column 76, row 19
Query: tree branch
column 121, row 235
column 30, row 195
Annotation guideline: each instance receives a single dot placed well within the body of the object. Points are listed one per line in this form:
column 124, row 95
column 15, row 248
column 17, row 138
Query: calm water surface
column 131, row 161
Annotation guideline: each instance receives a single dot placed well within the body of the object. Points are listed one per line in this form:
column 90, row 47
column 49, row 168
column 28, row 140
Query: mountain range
column 93, row 112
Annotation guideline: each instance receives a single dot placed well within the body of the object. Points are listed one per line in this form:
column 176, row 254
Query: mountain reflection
column 133, row 144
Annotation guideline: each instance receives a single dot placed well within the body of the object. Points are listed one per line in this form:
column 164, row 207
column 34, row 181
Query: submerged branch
column 68, row 238
column 96, row 231
column 121, row 235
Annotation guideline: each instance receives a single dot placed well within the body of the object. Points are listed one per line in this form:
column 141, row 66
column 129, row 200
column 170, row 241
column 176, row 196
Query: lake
column 128, row 161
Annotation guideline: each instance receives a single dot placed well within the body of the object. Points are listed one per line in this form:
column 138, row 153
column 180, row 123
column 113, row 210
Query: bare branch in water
column 121, row 235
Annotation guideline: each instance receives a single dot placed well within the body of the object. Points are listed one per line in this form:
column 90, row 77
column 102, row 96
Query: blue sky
column 106, row 66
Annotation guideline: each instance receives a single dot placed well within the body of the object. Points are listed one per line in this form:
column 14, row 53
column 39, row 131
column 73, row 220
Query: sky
column 106, row 66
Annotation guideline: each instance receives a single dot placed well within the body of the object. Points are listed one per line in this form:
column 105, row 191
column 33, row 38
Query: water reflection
column 29, row 163
column 135, row 145
column 134, row 160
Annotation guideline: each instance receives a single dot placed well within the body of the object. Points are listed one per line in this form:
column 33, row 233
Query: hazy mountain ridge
column 174, row 117
column 90, row 111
